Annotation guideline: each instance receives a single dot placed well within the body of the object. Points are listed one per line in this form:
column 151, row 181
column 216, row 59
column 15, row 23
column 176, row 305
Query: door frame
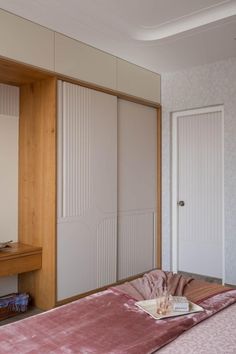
column 174, row 176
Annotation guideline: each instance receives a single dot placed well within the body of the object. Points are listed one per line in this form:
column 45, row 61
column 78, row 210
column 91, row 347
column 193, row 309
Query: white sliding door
column 87, row 190
column 137, row 187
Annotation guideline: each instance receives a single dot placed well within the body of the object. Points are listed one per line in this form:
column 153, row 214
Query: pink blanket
column 107, row 322
column 152, row 284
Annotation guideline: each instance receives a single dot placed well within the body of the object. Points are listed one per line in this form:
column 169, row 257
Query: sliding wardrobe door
column 137, row 187
column 87, row 190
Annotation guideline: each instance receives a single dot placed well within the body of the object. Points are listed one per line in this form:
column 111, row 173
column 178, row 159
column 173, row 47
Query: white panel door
column 87, row 190
column 137, row 181
column 200, row 189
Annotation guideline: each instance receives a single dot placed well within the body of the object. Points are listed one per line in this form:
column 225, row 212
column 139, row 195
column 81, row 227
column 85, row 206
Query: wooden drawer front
column 20, row 258
column 20, row 264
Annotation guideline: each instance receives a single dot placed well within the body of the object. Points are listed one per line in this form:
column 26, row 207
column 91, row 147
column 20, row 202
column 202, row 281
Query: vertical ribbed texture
column 59, row 150
column 200, row 187
column 76, row 121
column 106, row 251
column 137, row 187
column 9, row 100
column 87, row 188
column 135, row 243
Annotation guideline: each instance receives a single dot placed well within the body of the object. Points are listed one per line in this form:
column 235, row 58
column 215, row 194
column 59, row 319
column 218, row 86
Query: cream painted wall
column 9, row 120
column 201, row 87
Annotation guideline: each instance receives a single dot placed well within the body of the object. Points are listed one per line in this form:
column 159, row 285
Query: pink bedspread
column 151, row 284
column 107, row 322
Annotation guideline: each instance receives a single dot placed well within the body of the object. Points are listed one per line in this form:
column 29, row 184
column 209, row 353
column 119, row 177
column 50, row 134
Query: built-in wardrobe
column 106, row 189
column 89, row 180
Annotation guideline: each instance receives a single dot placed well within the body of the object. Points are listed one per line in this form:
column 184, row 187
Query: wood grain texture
column 14, row 73
column 19, row 258
column 37, row 171
column 37, row 185
column 18, row 74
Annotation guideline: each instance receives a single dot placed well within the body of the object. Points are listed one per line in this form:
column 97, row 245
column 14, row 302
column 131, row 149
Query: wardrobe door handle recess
column 181, row 203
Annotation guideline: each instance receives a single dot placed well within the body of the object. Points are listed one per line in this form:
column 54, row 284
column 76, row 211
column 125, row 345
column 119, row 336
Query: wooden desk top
column 19, row 258
column 17, row 249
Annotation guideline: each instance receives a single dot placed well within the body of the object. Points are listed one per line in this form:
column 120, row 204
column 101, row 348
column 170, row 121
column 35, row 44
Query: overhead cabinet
column 106, row 226
column 26, row 41
column 137, row 81
column 81, row 61
column 78, row 60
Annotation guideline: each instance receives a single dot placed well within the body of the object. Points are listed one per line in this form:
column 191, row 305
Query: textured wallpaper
column 203, row 86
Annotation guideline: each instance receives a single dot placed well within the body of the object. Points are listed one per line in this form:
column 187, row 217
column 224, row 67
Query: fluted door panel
column 137, row 188
column 200, row 186
column 87, row 189
column 135, row 243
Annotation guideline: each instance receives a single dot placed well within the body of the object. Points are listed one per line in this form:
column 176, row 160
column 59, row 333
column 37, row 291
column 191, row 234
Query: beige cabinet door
column 138, row 82
column 87, row 190
column 83, row 62
column 137, row 187
column 26, row 41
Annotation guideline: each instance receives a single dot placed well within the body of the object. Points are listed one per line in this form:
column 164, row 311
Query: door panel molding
column 174, row 180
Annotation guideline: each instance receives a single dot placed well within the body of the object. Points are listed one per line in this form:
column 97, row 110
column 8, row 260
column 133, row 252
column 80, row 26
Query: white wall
column 9, row 120
column 200, row 87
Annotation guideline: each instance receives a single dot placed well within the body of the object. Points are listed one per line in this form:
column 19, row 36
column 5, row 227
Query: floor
column 31, row 312
column 209, row 279
column 202, row 277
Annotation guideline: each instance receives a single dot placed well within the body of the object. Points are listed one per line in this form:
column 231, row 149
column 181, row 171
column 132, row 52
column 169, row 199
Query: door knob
column 181, row 203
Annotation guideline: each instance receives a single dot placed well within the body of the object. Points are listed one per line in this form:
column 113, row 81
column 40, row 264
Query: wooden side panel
column 18, row 74
column 37, row 185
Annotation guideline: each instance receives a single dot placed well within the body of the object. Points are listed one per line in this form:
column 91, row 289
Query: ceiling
column 161, row 35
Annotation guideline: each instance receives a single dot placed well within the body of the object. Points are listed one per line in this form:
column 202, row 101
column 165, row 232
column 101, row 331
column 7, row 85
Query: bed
column 110, row 322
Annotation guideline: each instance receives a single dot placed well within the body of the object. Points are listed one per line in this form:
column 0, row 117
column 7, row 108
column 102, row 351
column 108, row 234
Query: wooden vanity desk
column 19, row 258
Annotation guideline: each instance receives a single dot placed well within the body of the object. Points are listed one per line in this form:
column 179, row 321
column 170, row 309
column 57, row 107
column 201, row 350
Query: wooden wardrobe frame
column 37, row 170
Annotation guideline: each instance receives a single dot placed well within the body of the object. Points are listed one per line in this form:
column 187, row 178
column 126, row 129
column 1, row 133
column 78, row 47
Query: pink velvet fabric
column 107, row 322
column 152, row 284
